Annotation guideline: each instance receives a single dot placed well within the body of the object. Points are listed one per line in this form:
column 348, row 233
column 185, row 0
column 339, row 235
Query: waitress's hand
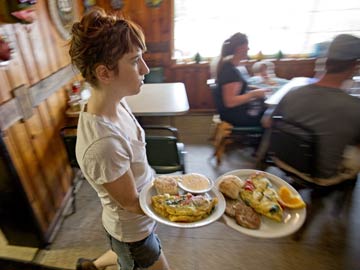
column 260, row 93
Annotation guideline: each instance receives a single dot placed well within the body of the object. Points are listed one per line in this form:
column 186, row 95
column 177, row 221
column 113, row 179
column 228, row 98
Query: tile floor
column 328, row 243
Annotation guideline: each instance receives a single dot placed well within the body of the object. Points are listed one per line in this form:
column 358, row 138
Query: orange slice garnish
column 289, row 199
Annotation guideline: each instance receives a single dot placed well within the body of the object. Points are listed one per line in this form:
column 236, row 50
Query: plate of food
column 166, row 202
column 260, row 204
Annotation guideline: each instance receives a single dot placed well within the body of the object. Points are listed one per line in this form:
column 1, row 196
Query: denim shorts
column 137, row 255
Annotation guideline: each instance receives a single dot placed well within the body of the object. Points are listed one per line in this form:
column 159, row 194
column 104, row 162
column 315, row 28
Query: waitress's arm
column 231, row 97
column 123, row 190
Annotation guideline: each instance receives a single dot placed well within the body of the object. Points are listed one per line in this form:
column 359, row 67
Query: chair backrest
column 294, row 144
column 68, row 135
column 164, row 153
column 156, row 75
column 215, row 93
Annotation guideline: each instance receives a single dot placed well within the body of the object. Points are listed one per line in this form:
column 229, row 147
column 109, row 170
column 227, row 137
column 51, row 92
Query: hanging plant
column 153, row 3
column 17, row 11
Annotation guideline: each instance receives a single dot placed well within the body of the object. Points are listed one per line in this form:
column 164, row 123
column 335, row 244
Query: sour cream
column 194, row 182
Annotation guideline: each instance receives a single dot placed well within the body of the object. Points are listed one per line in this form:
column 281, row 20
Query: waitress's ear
column 103, row 74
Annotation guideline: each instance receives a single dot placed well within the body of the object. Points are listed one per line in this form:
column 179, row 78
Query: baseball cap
column 344, row 47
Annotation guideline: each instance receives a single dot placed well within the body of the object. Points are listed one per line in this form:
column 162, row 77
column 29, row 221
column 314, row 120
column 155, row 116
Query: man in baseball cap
column 331, row 114
column 344, row 47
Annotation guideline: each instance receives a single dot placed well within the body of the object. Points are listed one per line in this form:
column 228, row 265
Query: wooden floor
column 328, row 243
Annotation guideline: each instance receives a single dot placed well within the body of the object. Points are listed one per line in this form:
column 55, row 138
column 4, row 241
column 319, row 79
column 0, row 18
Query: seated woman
column 236, row 103
column 265, row 77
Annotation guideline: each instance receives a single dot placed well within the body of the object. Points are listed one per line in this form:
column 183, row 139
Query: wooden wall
column 157, row 24
column 34, row 145
column 194, row 76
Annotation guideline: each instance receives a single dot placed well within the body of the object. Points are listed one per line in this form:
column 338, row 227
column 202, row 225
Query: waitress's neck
column 103, row 103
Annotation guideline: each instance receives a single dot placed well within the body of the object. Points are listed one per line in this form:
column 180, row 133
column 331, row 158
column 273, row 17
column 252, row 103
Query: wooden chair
column 226, row 134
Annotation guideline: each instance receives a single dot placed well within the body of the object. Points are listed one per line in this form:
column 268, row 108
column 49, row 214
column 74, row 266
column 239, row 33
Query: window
column 293, row 27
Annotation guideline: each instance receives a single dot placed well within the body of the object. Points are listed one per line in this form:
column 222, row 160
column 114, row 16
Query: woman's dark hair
column 229, row 47
column 101, row 39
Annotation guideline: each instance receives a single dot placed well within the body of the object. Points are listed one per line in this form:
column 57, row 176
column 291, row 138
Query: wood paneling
column 35, row 145
column 290, row 68
column 157, row 24
column 194, row 77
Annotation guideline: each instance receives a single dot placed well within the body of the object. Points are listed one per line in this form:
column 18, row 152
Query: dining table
column 159, row 99
column 154, row 99
column 296, row 82
column 275, row 98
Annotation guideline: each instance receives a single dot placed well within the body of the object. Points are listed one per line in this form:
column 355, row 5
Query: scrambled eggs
column 183, row 208
column 260, row 195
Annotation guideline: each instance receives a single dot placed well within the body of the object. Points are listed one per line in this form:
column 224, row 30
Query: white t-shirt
column 105, row 151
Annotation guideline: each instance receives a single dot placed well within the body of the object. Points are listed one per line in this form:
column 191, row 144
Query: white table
column 155, row 99
column 274, row 99
column 295, row 82
column 159, row 99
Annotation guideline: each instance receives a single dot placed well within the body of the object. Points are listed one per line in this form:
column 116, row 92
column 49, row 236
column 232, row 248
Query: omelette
column 183, row 208
column 261, row 196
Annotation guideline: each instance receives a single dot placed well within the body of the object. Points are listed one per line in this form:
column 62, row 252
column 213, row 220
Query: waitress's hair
column 102, row 39
column 229, row 47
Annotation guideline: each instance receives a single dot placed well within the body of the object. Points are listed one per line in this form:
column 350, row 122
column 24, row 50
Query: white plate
column 145, row 203
column 292, row 221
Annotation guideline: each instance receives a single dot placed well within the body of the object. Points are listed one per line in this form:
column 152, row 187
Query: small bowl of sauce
column 195, row 183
